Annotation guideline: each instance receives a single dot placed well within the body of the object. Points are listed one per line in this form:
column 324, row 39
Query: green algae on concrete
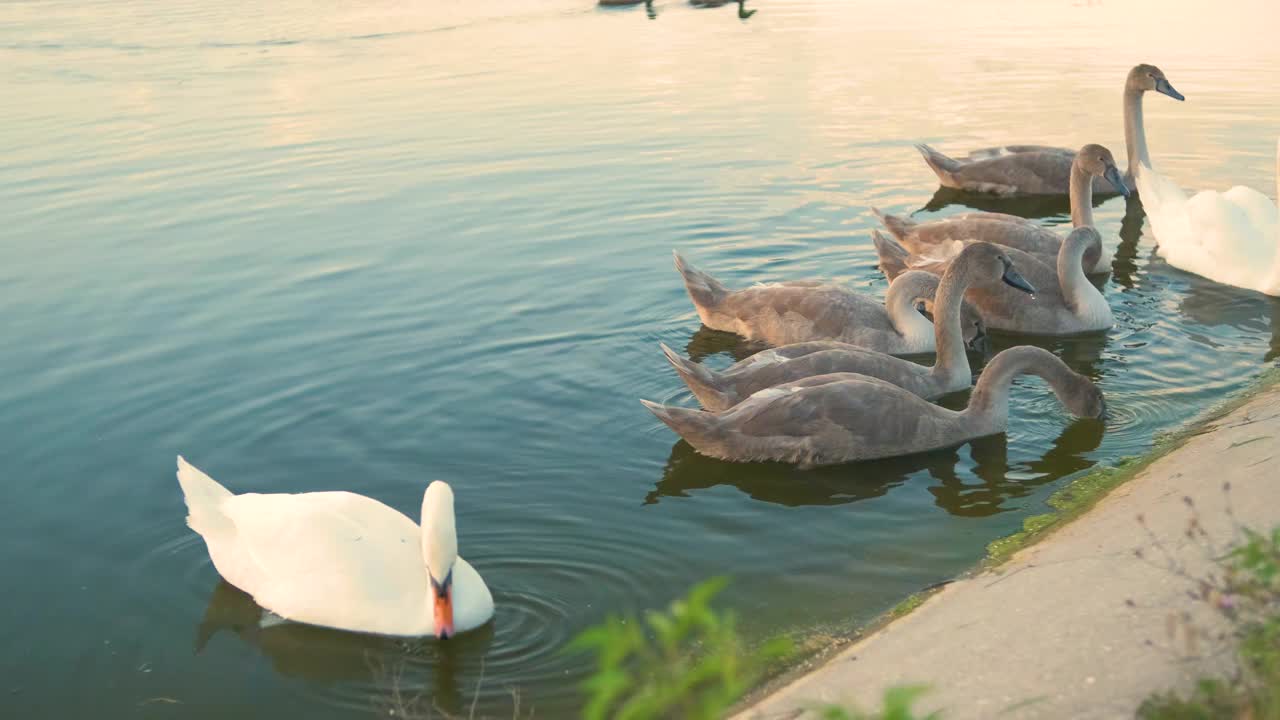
column 1069, row 503
column 913, row 601
column 1083, row 493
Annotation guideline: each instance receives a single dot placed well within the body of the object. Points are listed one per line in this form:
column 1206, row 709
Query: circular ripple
column 543, row 596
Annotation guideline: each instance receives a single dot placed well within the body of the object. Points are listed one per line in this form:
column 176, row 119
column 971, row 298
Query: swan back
column 335, row 559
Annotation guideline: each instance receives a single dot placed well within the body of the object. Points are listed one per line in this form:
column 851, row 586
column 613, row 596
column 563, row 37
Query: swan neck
column 1135, row 134
column 1072, row 280
column 988, row 408
column 947, row 331
column 439, row 532
column 1081, row 195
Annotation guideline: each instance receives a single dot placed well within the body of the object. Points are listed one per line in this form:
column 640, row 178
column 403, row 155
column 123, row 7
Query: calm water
column 341, row 245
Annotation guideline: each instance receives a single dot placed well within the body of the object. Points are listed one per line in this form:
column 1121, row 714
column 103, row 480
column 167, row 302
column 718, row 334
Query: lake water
column 364, row 245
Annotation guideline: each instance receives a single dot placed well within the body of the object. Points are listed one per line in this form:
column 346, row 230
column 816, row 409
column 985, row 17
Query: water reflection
column 706, row 342
column 778, row 483
column 1124, row 265
column 1082, row 353
column 324, row 655
column 1000, row 482
column 648, row 6
column 1030, row 207
column 1210, row 304
column 979, row 490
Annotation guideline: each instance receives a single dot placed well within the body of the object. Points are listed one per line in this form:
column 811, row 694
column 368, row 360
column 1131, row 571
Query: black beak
column 1013, row 279
column 1164, row 88
column 1112, row 174
column 979, row 341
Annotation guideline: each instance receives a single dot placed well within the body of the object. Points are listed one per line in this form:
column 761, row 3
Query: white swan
column 1231, row 237
column 341, row 560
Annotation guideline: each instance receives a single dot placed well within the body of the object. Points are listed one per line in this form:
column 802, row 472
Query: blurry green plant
column 1253, row 567
column 898, row 705
column 688, row 662
column 1246, row 591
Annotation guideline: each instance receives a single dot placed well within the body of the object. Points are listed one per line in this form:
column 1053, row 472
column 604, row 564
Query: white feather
column 334, row 559
column 1229, row 237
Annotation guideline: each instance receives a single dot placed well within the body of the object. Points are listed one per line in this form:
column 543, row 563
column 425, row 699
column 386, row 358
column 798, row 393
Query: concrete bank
column 1077, row 625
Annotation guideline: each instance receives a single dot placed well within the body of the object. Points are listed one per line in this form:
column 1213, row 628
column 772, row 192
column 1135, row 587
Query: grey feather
column 845, row 417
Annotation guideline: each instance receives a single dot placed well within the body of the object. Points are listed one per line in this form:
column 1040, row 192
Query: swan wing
column 1235, row 233
column 841, row 416
column 1262, row 214
column 1228, row 237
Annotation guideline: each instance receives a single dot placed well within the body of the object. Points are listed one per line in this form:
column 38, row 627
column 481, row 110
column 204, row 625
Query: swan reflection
column 981, row 490
column 426, row 667
column 1032, row 207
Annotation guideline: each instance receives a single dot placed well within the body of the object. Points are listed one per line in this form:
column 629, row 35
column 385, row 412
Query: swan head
column 984, row 263
column 1083, row 399
column 440, row 552
column 1099, row 162
column 1147, row 78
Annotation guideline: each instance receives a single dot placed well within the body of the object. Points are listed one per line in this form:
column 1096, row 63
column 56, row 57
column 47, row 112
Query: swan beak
column 443, row 602
column 980, row 342
column 1013, row 279
column 1164, row 88
column 1112, row 174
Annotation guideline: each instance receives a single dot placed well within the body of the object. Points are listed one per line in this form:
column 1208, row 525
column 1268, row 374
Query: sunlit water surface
column 363, row 245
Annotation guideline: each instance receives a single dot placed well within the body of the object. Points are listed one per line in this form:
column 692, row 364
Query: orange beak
column 443, row 602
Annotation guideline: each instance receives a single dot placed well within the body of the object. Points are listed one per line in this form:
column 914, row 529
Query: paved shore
column 1078, row 625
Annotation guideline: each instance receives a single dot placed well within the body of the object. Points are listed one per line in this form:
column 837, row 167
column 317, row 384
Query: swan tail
column 701, row 429
column 897, row 225
column 894, row 259
column 204, row 497
column 705, row 291
column 941, row 165
column 703, row 382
